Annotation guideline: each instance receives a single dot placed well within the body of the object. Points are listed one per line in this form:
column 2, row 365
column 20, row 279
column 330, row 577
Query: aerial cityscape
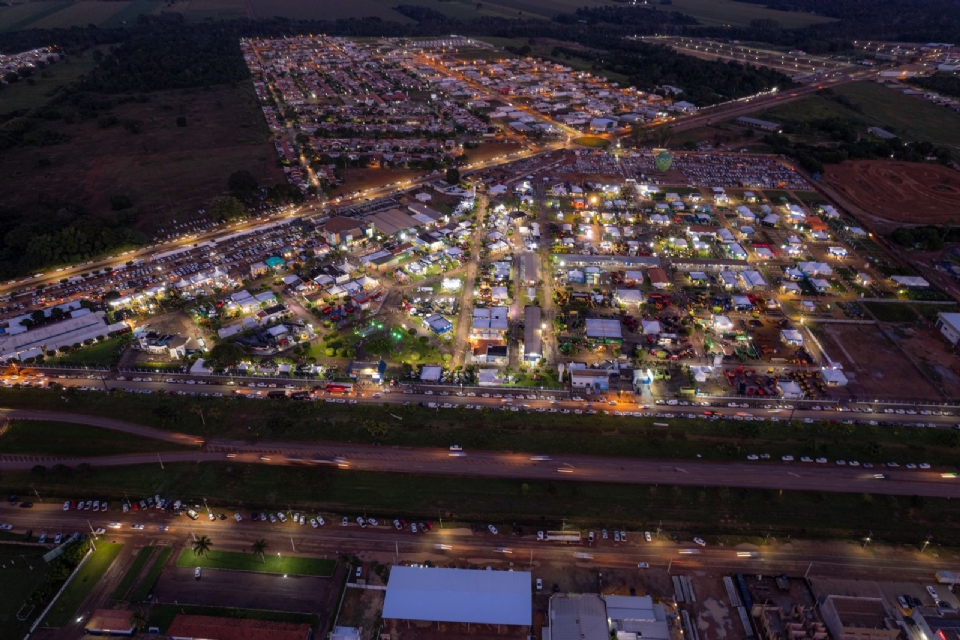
column 362, row 321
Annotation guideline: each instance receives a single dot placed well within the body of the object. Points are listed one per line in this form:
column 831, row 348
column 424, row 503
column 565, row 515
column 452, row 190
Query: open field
column 150, row 577
column 22, row 95
column 540, row 504
column 594, row 142
column 902, row 192
column 132, row 573
column 167, row 171
column 23, row 572
column 544, row 433
column 102, row 354
column 65, row 439
column 907, row 116
column 874, row 365
column 103, row 13
column 79, row 588
column 270, row 563
column 739, row 14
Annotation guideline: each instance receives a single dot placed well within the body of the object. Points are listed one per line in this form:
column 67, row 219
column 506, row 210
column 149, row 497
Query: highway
column 463, row 545
column 797, row 476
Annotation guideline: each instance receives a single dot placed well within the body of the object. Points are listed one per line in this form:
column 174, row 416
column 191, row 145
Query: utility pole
column 926, row 543
column 93, row 535
column 293, row 545
column 35, row 493
column 807, row 572
column 161, row 461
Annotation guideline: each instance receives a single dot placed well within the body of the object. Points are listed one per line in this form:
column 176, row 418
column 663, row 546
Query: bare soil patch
column 902, row 192
column 874, row 365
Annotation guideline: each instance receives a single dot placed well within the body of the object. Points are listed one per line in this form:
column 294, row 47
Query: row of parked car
column 839, row 463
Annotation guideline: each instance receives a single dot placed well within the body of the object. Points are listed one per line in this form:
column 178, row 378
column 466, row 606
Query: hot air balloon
column 662, row 161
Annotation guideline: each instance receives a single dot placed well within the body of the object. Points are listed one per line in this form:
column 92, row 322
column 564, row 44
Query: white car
column 6, row 527
column 700, row 541
column 492, row 529
column 373, row 522
column 345, row 521
column 313, row 523
column 237, row 517
column 282, row 518
column 787, row 458
column 321, row 521
column 66, row 506
column 114, row 525
column 647, row 536
column 643, row 565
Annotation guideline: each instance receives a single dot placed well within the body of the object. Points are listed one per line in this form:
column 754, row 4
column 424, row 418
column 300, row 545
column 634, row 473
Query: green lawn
column 739, row 14
column 595, row 142
column 910, row 117
column 102, row 354
column 23, row 95
column 23, row 572
column 65, row 608
column 270, row 563
column 146, row 585
column 131, row 575
column 67, row 439
column 162, row 615
column 892, row 311
column 543, row 433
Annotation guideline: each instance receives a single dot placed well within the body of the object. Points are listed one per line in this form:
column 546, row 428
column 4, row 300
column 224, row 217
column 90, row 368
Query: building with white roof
column 465, row 596
column 636, row 617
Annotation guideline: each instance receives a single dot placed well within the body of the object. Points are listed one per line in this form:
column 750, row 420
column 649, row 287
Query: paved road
column 774, row 475
column 796, row 557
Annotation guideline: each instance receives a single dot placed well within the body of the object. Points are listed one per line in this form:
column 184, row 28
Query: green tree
column 242, row 183
column 453, row 175
column 259, row 546
column 201, row 545
column 225, row 355
column 227, row 209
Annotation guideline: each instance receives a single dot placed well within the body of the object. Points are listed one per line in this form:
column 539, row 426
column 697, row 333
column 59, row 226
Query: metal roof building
column 459, row 596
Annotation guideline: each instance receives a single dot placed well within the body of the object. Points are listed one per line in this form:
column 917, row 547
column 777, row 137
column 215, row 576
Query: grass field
column 146, row 585
column 23, row 571
column 167, row 171
column 162, row 615
column 594, row 142
column 739, row 14
column 892, row 311
column 540, row 504
column 131, row 575
column 74, row 440
column 504, row 431
column 65, row 608
column 909, row 117
column 103, row 13
column 270, row 563
column 23, row 95
column 101, row 354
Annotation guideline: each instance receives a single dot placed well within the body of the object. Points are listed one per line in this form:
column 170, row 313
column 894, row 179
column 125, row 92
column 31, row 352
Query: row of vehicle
column 89, row 505
column 839, row 463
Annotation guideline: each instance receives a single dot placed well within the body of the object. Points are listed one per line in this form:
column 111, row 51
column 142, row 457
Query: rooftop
column 459, row 595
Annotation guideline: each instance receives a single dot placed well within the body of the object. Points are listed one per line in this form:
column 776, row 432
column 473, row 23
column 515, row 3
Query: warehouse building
column 459, row 600
column 763, row 125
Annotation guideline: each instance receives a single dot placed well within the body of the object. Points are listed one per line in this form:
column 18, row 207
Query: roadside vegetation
column 65, row 609
column 257, row 562
column 538, row 433
column 74, row 440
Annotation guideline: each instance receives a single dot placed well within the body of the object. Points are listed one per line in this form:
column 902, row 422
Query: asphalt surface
column 755, row 475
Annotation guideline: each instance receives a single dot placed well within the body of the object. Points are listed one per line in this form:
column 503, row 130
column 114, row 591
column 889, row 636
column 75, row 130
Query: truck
column 947, row 577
